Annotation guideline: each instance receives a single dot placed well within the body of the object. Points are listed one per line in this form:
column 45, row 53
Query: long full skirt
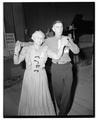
column 35, row 99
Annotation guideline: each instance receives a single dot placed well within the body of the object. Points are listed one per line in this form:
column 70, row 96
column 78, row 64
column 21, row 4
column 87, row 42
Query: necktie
column 59, row 43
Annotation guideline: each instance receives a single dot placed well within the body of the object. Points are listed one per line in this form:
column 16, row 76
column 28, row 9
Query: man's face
column 58, row 28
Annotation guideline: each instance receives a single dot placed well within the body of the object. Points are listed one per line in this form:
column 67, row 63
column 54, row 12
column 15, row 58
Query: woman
column 35, row 96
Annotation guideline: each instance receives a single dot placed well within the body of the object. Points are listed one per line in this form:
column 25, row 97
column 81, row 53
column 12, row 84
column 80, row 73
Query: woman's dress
column 35, row 97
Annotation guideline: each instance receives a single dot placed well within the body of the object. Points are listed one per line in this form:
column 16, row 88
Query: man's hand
column 24, row 44
column 64, row 41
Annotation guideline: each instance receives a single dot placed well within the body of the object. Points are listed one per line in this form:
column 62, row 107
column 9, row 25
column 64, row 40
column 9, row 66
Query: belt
column 37, row 70
column 61, row 62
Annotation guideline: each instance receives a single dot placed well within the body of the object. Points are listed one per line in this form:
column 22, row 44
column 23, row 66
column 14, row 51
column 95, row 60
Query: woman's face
column 39, row 40
column 38, row 37
column 58, row 28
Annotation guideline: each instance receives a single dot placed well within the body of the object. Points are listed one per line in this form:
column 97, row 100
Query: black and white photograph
column 48, row 59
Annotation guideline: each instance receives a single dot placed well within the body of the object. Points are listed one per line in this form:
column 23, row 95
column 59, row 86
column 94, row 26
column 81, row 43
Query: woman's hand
column 17, row 46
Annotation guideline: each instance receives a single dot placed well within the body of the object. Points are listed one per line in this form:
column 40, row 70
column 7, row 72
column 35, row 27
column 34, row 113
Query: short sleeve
column 52, row 54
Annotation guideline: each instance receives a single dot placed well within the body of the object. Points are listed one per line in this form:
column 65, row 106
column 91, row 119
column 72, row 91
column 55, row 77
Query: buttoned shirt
column 53, row 44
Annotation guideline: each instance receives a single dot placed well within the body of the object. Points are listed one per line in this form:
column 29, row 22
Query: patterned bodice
column 36, row 59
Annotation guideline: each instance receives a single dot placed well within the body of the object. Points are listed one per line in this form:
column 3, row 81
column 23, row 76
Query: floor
column 83, row 100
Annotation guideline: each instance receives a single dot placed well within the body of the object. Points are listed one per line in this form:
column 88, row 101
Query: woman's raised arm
column 19, row 55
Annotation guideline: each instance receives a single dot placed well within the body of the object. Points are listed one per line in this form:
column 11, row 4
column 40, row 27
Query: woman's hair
column 37, row 34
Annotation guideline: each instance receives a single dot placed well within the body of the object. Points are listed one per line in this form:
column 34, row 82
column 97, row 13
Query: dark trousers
column 62, row 82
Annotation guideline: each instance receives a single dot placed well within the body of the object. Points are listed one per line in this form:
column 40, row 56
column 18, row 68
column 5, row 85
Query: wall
column 13, row 23
column 19, row 21
column 14, row 19
column 42, row 15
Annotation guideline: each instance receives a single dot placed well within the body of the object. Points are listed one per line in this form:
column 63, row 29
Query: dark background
column 23, row 19
column 42, row 15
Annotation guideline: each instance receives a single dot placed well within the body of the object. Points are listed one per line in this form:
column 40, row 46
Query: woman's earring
column 53, row 28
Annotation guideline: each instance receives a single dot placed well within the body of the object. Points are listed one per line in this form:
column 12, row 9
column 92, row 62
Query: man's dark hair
column 57, row 21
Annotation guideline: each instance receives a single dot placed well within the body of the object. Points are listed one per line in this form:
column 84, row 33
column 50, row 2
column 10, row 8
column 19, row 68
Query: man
column 61, row 69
